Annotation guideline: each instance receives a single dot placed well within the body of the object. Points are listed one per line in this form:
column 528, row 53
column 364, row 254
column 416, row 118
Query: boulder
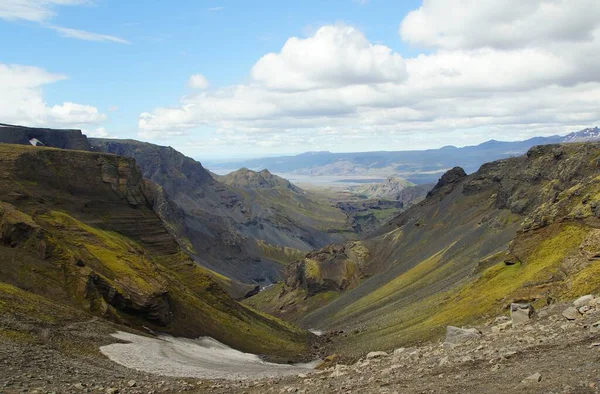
column 534, row 378
column 595, row 327
column 502, row 327
column 583, row 301
column 520, row 313
column 329, row 361
column 456, row 336
column 376, row 355
column 571, row 313
column 398, row 352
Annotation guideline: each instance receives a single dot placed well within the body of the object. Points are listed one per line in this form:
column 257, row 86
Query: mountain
column 225, row 218
column 79, row 238
column 208, row 211
column 393, row 188
column 523, row 229
column 585, row 135
column 246, row 179
column 420, row 167
column 281, row 214
column 239, row 232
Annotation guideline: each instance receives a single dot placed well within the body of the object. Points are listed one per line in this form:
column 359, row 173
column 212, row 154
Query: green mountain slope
column 520, row 229
column 78, row 230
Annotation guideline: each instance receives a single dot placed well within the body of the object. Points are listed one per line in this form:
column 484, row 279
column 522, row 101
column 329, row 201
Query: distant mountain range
column 419, row 167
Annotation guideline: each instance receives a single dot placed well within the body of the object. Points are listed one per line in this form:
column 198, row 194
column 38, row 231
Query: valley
column 101, row 236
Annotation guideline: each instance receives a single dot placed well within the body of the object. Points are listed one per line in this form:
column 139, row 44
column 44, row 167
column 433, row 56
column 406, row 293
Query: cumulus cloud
column 99, row 132
column 198, row 81
column 503, row 24
column 510, row 72
column 21, row 101
column 333, row 56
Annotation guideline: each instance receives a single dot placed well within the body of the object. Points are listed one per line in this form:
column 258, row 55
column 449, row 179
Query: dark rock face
column 200, row 212
column 451, row 177
column 63, row 139
column 153, row 306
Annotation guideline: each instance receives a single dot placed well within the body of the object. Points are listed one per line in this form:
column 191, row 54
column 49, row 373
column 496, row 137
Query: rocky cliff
column 64, row 139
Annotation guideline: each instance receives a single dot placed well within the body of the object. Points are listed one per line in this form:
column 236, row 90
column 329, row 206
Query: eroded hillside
column 235, row 225
column 79, row 234
column 519, row 229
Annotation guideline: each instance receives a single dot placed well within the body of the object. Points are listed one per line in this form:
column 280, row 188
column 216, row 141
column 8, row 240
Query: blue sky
column 122, row 59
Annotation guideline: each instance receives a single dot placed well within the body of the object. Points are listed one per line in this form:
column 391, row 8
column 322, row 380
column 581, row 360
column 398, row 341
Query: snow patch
column 203, row 358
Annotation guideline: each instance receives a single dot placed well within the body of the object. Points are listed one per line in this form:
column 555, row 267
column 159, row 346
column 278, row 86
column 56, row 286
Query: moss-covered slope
column 78, row 229
column 520, row 229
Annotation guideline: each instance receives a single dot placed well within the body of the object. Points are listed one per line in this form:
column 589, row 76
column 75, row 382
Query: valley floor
column 564, row 353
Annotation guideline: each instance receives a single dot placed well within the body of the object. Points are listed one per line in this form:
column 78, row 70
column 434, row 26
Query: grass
column 289, row 304
column 483, row 296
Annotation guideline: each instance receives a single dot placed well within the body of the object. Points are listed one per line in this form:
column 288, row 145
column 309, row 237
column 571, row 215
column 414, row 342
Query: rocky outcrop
column 447, row 181
column 333, row 268
column 63, row 139
column 16, row 228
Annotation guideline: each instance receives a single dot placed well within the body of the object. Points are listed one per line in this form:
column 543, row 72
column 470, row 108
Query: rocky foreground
column 553, row 350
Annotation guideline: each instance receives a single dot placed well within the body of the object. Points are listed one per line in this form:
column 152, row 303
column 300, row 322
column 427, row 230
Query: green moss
column 312, row 269
column 427, row 268
column 281, row 254
column 289, row 304
column 479, row 298
column 121, row 266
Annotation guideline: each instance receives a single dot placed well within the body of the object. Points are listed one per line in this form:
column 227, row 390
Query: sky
column 225, row 79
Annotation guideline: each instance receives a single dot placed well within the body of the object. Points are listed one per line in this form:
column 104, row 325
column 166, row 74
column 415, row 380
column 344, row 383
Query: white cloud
column 216, row 9
column 503, row 24
column 21, row 100
column 198, row 81
column 99, row 132
column 336, row 90
column 42, row 11
column 86, row 35
column 33, row 10
column 333, row 56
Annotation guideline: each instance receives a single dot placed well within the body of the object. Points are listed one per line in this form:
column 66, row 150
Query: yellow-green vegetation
column 112, row 255
column 27, row 306
column 428, row 271
column 290, row 304
column 542, row 256
column 199, row 306
column 281, row 254
column 312, row 269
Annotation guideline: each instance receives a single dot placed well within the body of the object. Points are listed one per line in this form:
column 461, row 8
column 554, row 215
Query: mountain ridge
column 416, row 166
